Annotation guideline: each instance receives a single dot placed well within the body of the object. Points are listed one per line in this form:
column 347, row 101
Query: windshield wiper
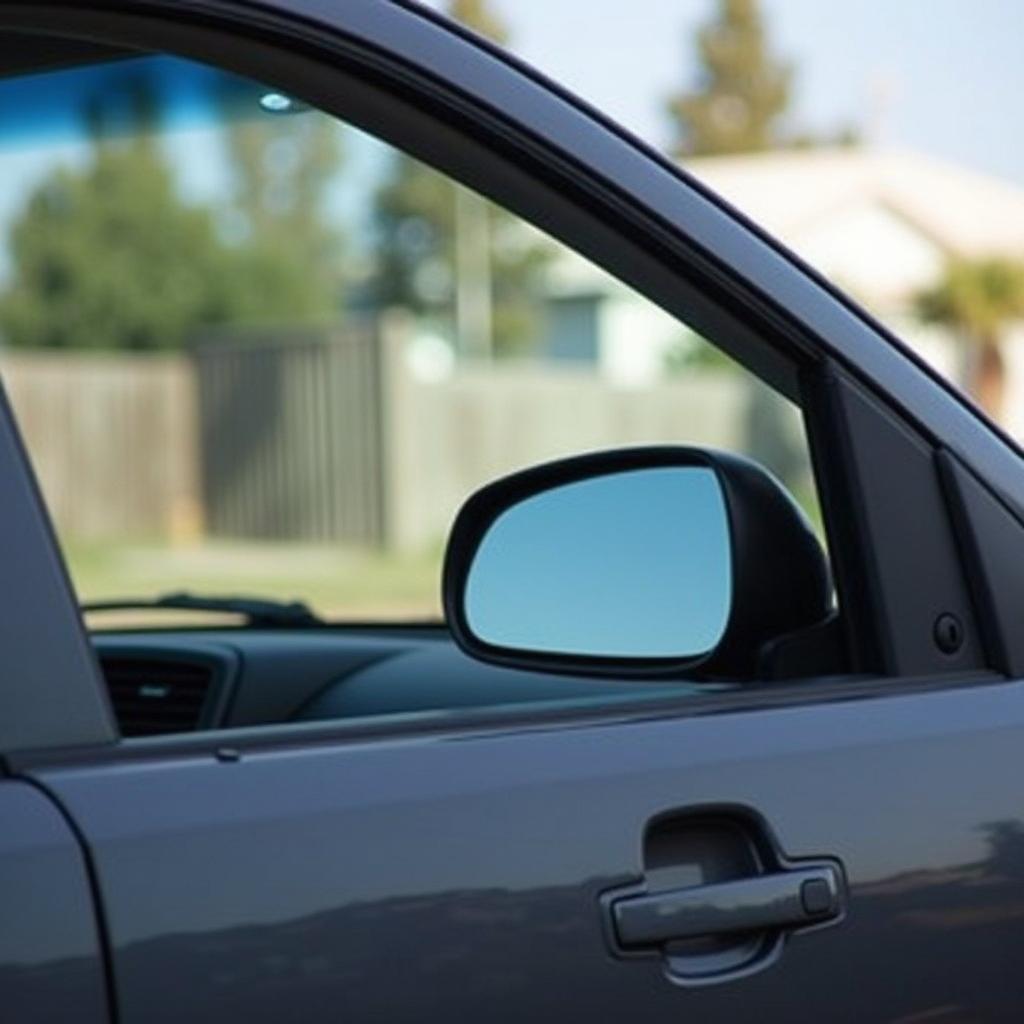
column 257, row 611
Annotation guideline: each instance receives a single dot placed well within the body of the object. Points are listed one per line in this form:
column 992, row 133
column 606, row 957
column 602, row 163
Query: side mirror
column 650, row 561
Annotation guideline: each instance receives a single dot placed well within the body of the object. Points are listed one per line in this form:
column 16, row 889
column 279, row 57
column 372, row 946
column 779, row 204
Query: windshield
column 257, row 353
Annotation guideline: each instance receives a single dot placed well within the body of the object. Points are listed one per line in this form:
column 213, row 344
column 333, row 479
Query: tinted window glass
column 256, row 351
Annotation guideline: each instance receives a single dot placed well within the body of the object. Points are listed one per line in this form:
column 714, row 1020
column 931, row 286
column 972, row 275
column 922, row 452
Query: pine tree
column 742, row 90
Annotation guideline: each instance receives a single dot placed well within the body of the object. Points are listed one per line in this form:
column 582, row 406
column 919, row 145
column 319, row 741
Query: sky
column 945, row 77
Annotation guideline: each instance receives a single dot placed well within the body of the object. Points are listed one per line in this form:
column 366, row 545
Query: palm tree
column 979, row 299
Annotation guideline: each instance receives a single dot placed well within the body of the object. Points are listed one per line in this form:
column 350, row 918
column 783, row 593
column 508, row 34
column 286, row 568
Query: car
column 675, row 753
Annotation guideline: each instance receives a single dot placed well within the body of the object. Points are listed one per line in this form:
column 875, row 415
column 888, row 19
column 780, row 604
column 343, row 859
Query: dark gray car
column 806, row 805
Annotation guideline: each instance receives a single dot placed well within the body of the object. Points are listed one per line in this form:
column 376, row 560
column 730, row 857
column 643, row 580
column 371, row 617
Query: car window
column 256, row 351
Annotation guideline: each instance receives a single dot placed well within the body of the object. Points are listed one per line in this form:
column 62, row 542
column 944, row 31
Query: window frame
column 411, row 79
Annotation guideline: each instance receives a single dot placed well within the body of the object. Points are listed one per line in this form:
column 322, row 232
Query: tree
column 289, row 256
column 979, row 299
column 108, row 258
column 107, row 255
column 446, row 252
column 742, row 90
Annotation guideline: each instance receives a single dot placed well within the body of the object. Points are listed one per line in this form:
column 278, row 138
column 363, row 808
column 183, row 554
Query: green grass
column 338, row 582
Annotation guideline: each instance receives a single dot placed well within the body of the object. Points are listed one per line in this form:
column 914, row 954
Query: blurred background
column 254, row 350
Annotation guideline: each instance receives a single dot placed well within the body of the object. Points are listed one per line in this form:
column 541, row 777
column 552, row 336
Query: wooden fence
column 290, row 435
column 328, row 436
column 447, row 437
column 112, row 439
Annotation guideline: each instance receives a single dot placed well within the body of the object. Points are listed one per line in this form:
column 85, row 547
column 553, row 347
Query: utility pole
column 474, row 312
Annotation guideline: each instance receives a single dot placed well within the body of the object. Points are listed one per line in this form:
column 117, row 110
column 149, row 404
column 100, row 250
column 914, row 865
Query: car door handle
column 789, row 899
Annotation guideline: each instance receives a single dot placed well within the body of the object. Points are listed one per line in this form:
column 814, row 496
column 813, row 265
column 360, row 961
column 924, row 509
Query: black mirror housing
column 780, row 582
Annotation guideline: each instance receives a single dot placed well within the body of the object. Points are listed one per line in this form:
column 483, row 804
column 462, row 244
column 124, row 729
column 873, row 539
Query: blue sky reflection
column 634, row 564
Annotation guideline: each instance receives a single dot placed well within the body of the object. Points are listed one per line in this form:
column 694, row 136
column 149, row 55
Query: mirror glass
column 635, row 564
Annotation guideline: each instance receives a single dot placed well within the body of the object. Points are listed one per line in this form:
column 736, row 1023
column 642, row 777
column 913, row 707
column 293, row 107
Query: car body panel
column 460, row 875
column 51, row 959
column 435, row 867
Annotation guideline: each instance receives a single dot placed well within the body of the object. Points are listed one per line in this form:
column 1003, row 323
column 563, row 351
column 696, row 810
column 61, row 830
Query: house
column 881, row 223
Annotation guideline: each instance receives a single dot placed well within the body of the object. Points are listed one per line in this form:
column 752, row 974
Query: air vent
column 153, row 696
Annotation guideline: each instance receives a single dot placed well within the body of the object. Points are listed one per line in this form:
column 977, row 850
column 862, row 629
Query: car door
column 51, row 960
column 476, row 864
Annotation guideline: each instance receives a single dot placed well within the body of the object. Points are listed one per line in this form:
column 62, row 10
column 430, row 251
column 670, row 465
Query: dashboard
column 183, row 680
